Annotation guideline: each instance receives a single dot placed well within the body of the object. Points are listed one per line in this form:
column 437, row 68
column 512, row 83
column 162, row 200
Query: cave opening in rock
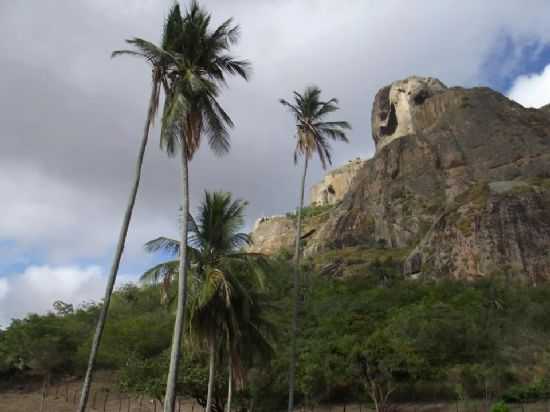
column 421, row 97
column 391, row 125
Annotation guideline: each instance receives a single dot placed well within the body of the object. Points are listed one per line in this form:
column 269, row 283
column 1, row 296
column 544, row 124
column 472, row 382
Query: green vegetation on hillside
column 417, row 339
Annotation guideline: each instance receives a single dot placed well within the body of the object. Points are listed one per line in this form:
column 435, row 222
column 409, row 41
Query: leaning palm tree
column 192, row 111
column 159, row 60
column 218, row 265
column 312, row 136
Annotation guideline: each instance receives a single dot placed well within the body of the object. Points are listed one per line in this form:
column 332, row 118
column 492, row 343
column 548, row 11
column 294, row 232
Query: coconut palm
column 243, row 332
column 191, row 112
column 159, row 61
column 313, row 135
column 248, row 336
column 221, row 285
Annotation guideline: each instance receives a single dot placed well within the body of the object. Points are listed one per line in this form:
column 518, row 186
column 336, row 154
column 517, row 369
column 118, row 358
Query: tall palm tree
column 313, row 134
column 159, row 61
column 220, row 288
column 192, row 111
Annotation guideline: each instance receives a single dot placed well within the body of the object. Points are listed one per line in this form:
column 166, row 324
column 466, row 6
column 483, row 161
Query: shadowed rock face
column 465, row 184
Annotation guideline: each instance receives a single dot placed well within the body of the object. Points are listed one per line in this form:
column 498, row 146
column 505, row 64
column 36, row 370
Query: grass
column 356, row 259
column 312, row 211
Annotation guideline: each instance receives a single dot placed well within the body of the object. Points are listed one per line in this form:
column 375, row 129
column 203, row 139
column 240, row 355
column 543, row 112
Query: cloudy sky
column 71, row 118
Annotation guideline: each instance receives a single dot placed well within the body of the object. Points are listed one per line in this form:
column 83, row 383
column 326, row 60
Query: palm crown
column 201, row 61
column 213, row 236
column 159, row 57
column 313, row 132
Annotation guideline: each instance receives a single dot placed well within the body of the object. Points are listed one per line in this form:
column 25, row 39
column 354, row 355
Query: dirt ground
column 63, row 398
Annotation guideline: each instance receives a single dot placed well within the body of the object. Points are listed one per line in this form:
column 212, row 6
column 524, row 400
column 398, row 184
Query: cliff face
column 461, row 179
column 335, row 184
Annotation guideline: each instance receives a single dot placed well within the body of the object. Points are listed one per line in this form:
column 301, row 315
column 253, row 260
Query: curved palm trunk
column 292, row 368
column 229, row 385
column 175, row 355
column 211, row 367
column 118, row 255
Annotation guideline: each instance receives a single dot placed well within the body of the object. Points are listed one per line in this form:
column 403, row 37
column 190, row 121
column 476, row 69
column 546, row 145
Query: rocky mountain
column 459, row 186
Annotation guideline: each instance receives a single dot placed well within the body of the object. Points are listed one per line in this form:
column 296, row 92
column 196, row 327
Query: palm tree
column 219, row 295
column 159, row 61
column 248, row 332
column 191, row 111
column 313, row 134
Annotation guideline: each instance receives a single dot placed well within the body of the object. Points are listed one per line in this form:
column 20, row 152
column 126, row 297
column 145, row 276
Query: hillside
column 459, row 186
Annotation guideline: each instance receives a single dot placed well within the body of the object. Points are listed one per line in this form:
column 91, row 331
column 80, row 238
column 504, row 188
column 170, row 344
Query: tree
column 312, row 136
column 248, row 331
column 191, row 111
column 159, row 60
column 220, row 300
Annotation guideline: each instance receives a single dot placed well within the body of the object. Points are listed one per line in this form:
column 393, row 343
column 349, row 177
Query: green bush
column 500, row 407
column 534, row 391
column 422, row 336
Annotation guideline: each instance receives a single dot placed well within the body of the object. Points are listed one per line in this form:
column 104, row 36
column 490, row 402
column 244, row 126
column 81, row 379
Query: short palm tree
column 159, row 60
column 313, row 134
column 221, row 288
column 192, row 111
column 248, row 332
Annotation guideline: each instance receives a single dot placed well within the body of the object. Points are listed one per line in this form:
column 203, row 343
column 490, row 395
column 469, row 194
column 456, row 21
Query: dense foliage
column 415, row 340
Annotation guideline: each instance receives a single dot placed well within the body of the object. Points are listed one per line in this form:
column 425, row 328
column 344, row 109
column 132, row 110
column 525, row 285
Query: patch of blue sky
column 512, row 57
column 14, row 259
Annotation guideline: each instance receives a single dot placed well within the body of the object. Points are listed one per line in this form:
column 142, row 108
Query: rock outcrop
column 272, row 234
column 335, row 184
column 461, row 179
column 398, row 109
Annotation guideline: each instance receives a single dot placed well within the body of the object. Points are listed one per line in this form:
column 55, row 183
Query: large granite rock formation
column 461, row 179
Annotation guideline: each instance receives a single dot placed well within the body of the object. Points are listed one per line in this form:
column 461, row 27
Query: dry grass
column 30, row 401
column 64, row 398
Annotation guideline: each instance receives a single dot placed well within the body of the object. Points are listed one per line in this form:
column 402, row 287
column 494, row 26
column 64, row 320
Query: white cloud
column 70, row 221
column 532, row 90
column 3, row 288
column 69, row 131
column 37, row 287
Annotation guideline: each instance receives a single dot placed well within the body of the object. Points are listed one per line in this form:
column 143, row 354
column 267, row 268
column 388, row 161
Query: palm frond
column 217, row 122
column 158, row 272
column 339, row 124
column 175, row 108
column 170, row 246
column 172, row 32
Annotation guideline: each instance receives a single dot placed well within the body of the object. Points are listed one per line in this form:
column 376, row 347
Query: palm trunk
column 175, row 355
column 292, row 368
column 116, row 260
column 229, row 385
column 211, row 367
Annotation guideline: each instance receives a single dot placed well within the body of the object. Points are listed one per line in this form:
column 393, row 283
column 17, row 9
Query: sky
column 71, row 117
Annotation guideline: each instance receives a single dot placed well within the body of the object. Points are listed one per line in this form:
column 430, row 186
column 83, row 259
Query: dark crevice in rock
column 390, row 128
column 421, row 97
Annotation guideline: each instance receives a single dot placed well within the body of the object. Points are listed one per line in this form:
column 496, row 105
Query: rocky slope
column 460, row 181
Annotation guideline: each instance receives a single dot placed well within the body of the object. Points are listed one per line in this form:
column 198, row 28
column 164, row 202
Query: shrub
column 528, row 392
column 500, row 407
